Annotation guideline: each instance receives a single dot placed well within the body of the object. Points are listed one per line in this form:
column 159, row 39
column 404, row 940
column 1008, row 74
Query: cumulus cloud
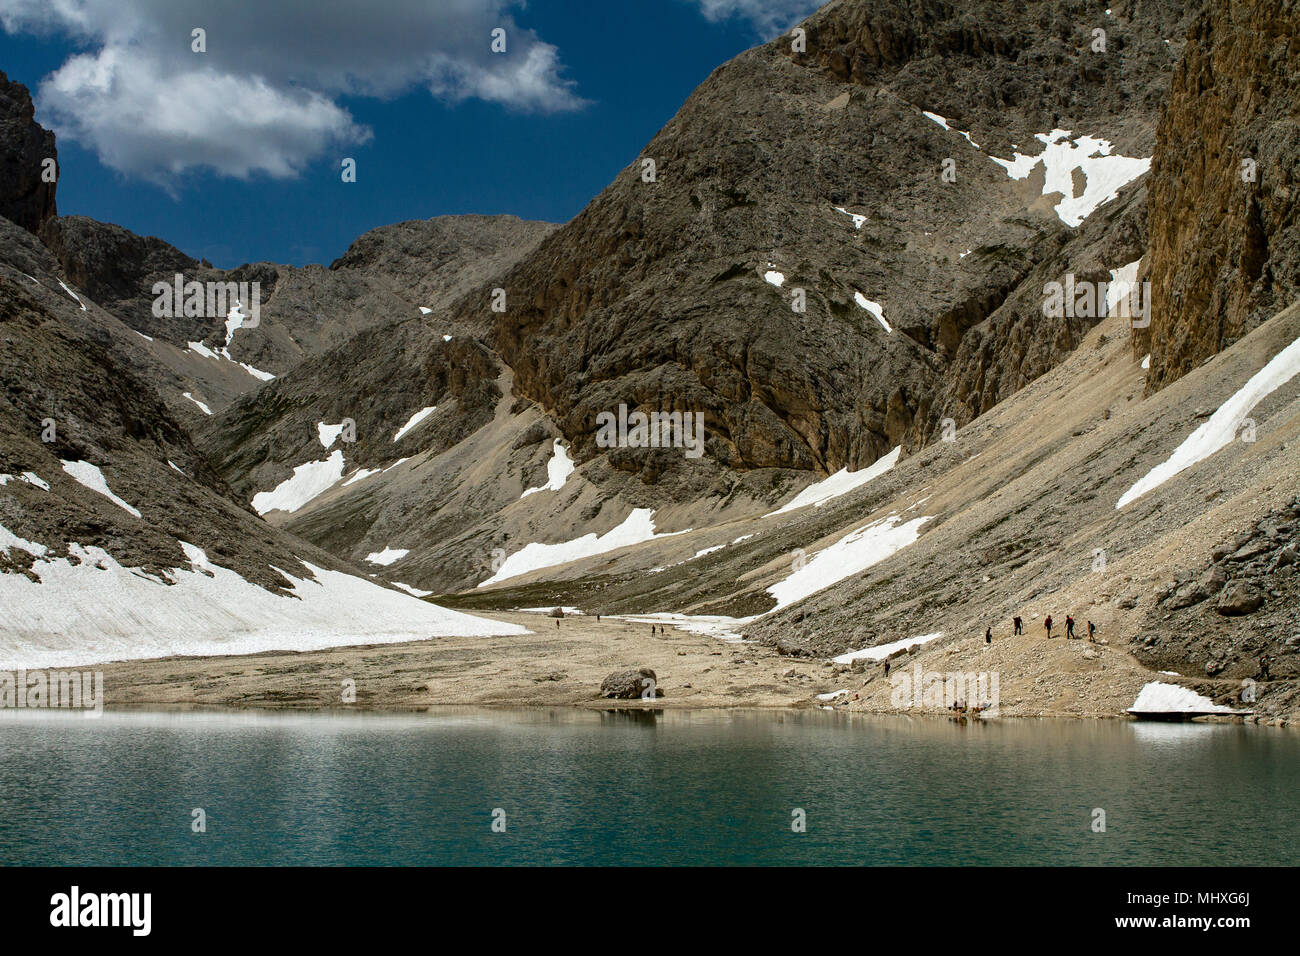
column 263, row 98
column 769, row 18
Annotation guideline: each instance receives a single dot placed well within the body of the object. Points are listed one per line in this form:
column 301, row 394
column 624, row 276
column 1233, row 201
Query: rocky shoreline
column 565, row 666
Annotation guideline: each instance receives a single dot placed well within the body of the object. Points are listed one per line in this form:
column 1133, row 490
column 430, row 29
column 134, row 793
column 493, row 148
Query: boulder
column 1240, row 598
column 630, row 684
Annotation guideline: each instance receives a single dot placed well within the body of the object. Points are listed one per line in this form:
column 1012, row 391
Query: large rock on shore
column 630, row 684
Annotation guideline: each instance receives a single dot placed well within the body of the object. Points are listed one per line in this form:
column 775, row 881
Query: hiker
column 886, row 667
column 1016, row 622
column 597, row 618
column 557, row 622
column 1264, row 668
column 1092, row 632
column 1069, row 628
column 988, row 636
column 1048, row 624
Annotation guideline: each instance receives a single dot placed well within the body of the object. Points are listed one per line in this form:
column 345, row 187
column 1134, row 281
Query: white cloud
column 263, row 98
column 769, row 18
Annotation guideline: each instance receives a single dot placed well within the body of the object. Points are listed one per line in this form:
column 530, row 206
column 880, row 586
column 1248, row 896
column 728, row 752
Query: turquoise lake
column 677, row 787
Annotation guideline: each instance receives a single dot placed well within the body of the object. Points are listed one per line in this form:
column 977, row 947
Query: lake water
column 678, row 787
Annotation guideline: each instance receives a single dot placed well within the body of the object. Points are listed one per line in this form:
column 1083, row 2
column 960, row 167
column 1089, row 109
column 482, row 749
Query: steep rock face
column 655, row 294
column 433, row 262
column 104, row 414
column 674, row 289
column 25, row 197
column 1225, row 251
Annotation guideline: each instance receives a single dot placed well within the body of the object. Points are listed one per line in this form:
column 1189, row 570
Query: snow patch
column 328, row 434
column 1221, row 428
column 703, row 551
column 840, row 483
column 1123, row 282
column 202, row 406
column 858, row 220
column 73, row 294
column 10, row 540
column 234, row 322
column 413, row 421
column 852, row 554
column 1159, row 697
column 359, row 474
column 387, row 556
column 875, row 308
column 28, row 476
column 414, row 592
column 1104, row 174
column 636, row 528
column 881, row 651
column 775, row 278
column 81, row 614
column 308, row 482
column 558, row 470
column 726, row 629
column 91, row 477
column 944, row 123
column 1146, row 361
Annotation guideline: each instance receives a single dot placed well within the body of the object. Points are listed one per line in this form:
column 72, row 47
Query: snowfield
column 851, row 555
column 636, row 528
column 309, row 481
column 82, row 615
column 1104, row 174
column 1221, row 428
column 840, row 483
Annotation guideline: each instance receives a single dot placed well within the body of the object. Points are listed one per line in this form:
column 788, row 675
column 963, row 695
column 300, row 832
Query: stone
column 1239, row 598
column 630, row 684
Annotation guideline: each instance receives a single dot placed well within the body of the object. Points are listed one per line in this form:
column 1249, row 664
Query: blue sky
column 234, row 154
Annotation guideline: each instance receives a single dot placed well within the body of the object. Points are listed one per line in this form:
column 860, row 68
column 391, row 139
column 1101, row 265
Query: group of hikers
column 1019, row 628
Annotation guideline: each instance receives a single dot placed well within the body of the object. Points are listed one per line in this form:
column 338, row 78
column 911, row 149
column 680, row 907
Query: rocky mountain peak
column 26, row 195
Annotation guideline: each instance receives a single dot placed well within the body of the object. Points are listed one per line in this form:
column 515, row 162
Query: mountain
column 117, row 539
column 25, row 148
column 820, row 170
column 840, row 254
